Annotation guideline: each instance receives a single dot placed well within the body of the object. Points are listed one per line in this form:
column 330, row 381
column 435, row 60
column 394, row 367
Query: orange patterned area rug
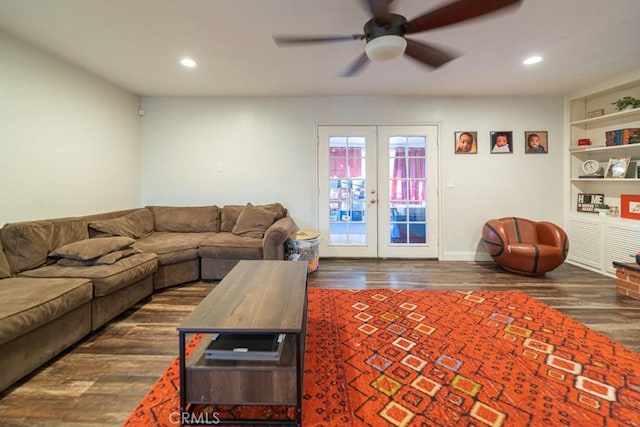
column 383, row 357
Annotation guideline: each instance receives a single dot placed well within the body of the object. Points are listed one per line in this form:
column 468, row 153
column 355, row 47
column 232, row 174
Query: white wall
column 69, row 142
column 268, row 151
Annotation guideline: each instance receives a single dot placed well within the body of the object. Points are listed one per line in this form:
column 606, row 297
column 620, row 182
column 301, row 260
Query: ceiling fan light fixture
column 384, row 48
column 188, row 63
column 532, row 60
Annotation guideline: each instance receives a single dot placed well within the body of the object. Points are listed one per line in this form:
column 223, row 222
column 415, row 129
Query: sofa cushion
column 229, row 216
column 29, row 303
column 68, row 230
column 4, row 264
column 253, row 221
column 26, row 244
column 172, row 247
column 230, row 246
column 106, row 278
column 89, row 249
column 194, row 219
column 135, row 225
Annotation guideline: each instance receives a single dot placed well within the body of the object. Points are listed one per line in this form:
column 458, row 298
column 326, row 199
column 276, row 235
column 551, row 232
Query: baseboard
column 465, row 256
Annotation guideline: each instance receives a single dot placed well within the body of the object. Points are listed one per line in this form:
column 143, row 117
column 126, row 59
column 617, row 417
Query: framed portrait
column 630, row 206
column 501, row 142
column 617, row 167
column 536, row 142
column 466, row 142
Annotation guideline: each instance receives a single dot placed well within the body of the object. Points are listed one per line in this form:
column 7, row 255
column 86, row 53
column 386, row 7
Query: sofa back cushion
column 187, row 219
column 26, row 244
column 4, row 264
column 229, row 216
column 134, row 225
column 68, row 230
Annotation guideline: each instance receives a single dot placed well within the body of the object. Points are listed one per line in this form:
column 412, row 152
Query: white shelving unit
column 595, row 241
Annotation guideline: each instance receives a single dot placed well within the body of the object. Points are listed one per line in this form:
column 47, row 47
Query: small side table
column 304, row 245
column 627, row 279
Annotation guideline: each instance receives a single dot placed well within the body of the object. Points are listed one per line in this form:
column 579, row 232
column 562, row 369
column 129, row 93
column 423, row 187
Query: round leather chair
column 524, row 246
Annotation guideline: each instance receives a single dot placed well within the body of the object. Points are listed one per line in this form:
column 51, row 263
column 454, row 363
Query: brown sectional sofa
column 61, row 279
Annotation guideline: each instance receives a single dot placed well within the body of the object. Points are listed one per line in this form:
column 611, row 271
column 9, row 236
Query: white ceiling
column 136, row 44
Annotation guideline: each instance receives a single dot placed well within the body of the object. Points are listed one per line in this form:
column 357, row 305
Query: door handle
column 373, row 201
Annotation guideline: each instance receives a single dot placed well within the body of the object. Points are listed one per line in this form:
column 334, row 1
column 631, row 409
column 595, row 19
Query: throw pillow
column 92, row 248
column 107, row 259
column 134, row 225
column 253, row 221
column 230, row 214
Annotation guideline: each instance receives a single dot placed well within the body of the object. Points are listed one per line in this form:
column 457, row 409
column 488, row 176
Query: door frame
column 438, row 186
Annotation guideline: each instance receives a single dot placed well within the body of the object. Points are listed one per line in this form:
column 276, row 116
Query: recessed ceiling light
column 532, row 60
column 188, row 62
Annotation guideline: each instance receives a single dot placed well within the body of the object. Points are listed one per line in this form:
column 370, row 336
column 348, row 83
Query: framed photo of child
column 501, row 142
column 536, row 142
column 466, row 142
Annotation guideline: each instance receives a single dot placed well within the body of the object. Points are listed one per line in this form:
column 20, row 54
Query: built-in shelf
column 603, row 148
column 607, row 180
column 607, row 117
column 595, row 241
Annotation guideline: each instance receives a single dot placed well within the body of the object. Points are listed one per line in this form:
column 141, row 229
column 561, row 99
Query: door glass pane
column 347, row 190
column 407, row 190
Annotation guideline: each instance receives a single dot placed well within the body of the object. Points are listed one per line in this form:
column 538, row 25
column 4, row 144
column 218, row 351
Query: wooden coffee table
column 255, row 297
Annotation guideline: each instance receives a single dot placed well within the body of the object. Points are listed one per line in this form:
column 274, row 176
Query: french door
column 378, row 194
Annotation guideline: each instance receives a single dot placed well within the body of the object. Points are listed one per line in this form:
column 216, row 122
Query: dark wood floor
column 102, row 379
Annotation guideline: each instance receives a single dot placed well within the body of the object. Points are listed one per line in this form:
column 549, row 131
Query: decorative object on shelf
column 584, row 141
column 587, row 202
column 536, row 142
column 603, row 209
column 626, row 103
column 595, row 113
column 501, row 142
column 630, row 206
column 466, row 142
column 617, row 167
column 592, row 169
column 614, row 211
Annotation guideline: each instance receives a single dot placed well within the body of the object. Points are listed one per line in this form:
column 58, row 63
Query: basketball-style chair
column 524, row 246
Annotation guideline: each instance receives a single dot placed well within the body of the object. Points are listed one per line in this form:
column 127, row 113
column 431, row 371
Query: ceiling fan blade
column 293, row 40
column 379, row 9
column 428, row 55
column 356, row 66
column 455, row 12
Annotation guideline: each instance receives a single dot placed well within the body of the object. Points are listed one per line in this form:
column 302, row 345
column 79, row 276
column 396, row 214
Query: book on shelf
column 622, row 137
column 232, row 346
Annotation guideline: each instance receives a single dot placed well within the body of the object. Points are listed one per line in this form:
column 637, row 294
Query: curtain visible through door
column 345, row 162
column 407, row 183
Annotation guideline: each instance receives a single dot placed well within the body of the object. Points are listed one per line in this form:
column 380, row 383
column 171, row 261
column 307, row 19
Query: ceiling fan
column 385, row 32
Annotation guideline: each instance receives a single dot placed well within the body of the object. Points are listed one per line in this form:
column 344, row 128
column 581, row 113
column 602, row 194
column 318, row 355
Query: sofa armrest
column 275, row 238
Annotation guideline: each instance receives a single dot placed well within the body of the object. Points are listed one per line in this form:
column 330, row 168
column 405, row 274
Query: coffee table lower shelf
column 242, row 382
